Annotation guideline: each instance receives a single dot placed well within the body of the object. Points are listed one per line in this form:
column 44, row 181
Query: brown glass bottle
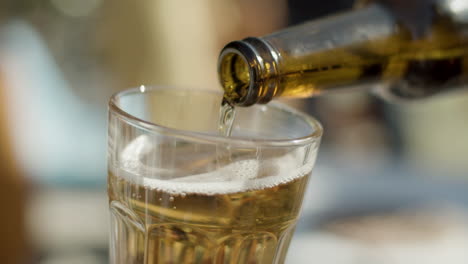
column 405, row 50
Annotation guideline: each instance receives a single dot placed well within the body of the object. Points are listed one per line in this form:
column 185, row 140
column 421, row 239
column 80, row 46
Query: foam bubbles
column 244, row 170
column 242, row 175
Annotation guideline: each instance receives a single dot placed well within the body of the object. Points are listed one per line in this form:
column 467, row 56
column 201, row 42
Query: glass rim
column 199, row 136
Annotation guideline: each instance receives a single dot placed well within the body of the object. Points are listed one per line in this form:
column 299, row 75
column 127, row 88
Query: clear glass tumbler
column 179, row 192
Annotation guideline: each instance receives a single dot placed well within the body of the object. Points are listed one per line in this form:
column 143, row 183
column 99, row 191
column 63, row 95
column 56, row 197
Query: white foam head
column 237, row 176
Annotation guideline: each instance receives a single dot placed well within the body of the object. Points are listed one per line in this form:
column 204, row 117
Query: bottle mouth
column 247, row 71
column 235, row 76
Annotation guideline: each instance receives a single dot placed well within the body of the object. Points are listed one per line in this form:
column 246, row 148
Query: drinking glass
column 180, row 192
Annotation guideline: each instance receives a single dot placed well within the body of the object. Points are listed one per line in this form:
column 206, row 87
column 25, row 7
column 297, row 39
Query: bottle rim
column 261, row 60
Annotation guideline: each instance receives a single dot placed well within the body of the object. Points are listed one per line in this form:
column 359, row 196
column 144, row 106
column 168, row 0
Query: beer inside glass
column 179, row 192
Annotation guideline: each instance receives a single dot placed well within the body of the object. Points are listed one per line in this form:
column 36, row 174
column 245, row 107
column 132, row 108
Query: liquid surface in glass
column 230, row 215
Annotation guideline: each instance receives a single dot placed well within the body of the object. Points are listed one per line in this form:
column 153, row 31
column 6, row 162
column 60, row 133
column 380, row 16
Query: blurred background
column 390, row 184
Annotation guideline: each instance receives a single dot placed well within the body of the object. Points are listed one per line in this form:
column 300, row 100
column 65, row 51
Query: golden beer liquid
column 253, row 226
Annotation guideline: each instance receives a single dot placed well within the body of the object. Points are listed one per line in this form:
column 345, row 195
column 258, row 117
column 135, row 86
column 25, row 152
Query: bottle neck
column 247, row 71
column 415, row 53
column 255, row 70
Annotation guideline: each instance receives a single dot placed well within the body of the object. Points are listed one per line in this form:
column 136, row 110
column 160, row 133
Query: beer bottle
column 402, row 49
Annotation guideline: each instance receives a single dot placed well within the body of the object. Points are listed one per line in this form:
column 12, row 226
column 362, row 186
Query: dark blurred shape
column 13, row 188
column 12, row 8
column 303, row 10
